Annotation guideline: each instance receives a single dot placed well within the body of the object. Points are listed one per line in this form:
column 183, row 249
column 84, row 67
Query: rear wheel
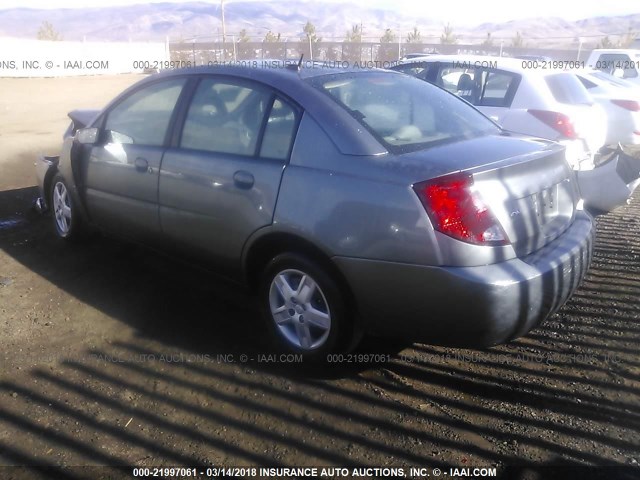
column 304, row 307
column 66, row 219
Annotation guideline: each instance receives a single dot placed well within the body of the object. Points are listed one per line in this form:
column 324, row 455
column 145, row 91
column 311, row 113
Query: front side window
column 404, row 113
column 143, row 117
column 225, row 117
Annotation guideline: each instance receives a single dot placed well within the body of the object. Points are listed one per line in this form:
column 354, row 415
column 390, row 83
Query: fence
column 36, row 58
column 202, row 53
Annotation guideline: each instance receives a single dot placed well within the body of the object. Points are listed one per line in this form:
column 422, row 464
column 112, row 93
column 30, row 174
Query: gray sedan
column 349, row 201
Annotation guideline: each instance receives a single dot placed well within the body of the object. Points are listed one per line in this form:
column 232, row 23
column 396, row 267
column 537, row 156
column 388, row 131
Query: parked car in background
column 537, row 58
column 622, row 105
column 524, row 97
column 619, row 62
column 409, row 56
column 347, row 200
column 542, row 102
column 633, row 88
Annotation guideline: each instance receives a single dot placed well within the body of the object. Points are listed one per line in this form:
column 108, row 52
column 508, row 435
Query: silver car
column 349, row 201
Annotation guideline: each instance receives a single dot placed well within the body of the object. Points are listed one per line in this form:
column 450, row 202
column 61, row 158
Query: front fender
column 68, row 164
column 46, row 168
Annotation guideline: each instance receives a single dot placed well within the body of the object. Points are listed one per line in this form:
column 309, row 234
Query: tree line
column 354, row 36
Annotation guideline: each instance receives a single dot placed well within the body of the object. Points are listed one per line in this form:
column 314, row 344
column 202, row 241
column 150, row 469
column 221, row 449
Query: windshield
column 404, row 113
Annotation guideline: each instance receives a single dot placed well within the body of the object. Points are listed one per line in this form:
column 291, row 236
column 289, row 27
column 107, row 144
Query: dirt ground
column 114, row 355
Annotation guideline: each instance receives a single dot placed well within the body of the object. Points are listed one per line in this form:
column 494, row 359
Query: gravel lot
column 114, row 355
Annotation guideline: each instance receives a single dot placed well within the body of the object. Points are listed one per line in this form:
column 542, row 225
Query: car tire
column 304, row 307
column 67, row 221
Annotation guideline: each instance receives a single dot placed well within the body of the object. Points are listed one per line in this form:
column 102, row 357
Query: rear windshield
column 566, row 88
column 402, row 112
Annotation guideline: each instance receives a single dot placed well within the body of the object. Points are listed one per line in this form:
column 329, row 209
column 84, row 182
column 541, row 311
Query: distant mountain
column 157, row 21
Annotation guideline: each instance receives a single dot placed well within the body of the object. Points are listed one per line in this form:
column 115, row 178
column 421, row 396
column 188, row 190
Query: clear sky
column 456, row 11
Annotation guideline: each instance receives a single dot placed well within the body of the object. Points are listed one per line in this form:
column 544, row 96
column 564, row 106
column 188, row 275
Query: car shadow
column 191, row 378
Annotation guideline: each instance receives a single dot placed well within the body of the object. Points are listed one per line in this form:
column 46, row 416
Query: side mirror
column 87, row 136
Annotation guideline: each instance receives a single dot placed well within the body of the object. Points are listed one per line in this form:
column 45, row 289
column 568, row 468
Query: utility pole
column 224, row 27
column 361, row 39
column 580, row 42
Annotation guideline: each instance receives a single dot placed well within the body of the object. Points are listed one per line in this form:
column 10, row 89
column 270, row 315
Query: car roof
column 267, row 69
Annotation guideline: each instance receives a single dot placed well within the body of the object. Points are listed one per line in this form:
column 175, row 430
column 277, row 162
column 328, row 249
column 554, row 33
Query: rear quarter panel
column 351, row 210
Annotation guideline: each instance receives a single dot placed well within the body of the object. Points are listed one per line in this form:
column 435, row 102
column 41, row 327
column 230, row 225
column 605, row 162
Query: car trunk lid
column 526, row 183
column 534, row 199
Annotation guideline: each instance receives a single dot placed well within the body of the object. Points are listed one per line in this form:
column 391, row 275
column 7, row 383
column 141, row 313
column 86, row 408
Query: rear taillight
column 457, row 210
column 558, row 121
column 627, row 104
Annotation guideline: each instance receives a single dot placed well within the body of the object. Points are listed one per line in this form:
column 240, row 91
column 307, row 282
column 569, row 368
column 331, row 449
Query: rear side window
column 566, row 88
column 279, row 132
column 225, row 117
column 498, row 89
column 143, row 117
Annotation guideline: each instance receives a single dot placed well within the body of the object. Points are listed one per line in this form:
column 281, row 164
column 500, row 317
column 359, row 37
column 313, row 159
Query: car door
column 121, row 173
column 219, row 182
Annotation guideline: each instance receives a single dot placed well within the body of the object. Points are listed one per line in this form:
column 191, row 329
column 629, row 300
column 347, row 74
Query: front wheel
column 66, row 219
column 304, row 307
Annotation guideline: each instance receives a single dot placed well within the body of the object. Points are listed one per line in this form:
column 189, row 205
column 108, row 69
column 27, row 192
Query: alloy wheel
column 62, row 208
column 299, row 309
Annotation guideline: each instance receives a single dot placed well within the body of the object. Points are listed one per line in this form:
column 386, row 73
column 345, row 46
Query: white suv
column 522, row 96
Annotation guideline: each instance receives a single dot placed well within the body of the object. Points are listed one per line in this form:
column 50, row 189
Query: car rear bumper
column 611, row 183
column 470, row 306
column 578, row 154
